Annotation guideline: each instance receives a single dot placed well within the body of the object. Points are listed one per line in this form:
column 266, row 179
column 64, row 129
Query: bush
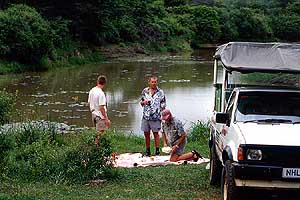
column 293, row 8
column 286, row 27
column 171, row 3
column 229, row 30
column 199, row 132
column 60, row 32
column 207, row 25
column 7, row 102
column 244, row 24
column 26, row 37
column 40, row 154
column 11, row 67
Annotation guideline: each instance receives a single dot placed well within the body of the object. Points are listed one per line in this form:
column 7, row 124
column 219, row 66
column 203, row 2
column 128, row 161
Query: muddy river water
column 61, row 95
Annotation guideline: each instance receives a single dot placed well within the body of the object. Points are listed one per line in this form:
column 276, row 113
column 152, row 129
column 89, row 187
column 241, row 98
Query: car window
column 269, row 104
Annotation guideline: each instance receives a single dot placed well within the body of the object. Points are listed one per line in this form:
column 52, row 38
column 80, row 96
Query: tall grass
column 199, row 132
column 35, row 153
column 7, row 102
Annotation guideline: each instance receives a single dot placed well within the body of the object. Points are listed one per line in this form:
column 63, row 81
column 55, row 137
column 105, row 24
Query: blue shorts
column 179, row 151
column 148, row 125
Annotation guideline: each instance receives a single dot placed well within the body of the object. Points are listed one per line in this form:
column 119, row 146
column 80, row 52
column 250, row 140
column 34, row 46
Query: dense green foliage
column 7, row 102
column 25, row 36
column 37, row 153
column 42, row 31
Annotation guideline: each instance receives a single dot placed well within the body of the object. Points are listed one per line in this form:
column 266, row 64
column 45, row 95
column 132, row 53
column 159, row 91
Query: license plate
column 291, row 172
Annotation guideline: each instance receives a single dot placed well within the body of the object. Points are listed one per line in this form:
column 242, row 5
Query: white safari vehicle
column 255, row 128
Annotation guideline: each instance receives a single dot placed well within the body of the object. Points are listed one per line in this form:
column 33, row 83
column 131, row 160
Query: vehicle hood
column 270, row 134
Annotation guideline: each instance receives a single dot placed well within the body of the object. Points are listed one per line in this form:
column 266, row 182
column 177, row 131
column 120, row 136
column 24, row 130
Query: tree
column 207, row 25
column 287, row 27
column 25, row 36
column 172, row 3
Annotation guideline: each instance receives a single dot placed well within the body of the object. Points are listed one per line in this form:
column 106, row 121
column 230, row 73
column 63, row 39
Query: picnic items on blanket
column 130, row 160
column 166, row 150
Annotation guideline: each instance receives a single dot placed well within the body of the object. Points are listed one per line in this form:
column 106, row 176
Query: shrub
column 24, row 34
column 199, row 132
column 286, row 27
column 27, row 37
column 35, row 153
column 244, row 24
column 293, row 8
column 207, row 25
column 229, row 30
column 60, row 32
column 7, row 102
column 170, row 3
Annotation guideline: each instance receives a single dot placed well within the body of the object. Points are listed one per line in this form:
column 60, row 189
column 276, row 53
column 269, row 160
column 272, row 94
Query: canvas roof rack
column 248, row 57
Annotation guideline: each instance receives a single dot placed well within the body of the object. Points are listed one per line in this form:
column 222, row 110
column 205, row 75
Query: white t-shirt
column 96, row 99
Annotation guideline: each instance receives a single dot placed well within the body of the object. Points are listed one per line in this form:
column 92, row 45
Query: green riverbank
column 161, row 182
column 164, row 182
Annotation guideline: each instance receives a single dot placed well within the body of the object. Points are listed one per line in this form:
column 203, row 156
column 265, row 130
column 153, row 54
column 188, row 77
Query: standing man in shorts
column 153, row 101
column 97, row 103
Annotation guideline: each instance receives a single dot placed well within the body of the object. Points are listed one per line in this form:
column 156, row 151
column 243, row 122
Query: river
column 61, row 94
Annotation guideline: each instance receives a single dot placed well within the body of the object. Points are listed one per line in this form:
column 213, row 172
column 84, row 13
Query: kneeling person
column 174, row 136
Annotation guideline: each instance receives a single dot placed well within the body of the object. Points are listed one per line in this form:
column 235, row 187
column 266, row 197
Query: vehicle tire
column 215, row 166
column 228, row 189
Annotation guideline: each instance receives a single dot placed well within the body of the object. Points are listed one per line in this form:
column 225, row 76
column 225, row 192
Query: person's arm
column 103, row 112
column 165, row 141
column 180, row 141
column 102, row 104
column 143, row 101
column 181, row 133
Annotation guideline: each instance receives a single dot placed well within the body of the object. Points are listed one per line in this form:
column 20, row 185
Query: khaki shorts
column 99, row 123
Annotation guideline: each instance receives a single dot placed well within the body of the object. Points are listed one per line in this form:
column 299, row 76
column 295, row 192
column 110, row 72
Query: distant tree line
column 31, row 29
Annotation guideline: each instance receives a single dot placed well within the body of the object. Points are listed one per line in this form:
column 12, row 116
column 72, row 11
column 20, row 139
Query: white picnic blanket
column 129, row 160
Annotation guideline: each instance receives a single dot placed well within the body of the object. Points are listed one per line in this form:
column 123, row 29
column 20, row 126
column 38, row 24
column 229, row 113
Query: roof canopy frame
column 250, row 57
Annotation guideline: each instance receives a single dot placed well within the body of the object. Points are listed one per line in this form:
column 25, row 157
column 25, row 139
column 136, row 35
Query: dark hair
column 101, row 80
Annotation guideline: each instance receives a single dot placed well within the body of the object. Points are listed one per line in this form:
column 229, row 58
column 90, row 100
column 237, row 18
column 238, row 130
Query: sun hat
column 166, row 114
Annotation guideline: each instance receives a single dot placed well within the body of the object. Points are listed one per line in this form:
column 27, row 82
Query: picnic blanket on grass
column 130, row 160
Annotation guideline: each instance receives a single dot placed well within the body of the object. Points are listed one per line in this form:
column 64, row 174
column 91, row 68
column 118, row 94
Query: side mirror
column 222, row 118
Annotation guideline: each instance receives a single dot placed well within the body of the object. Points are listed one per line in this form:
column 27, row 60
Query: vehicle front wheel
column 228, row 189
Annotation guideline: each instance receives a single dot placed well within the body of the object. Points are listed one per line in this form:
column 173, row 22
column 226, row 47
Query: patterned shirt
column 173, row 131
column 152, row 111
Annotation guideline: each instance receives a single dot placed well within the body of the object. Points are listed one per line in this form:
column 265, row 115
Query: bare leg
column 147, row 139
column 188, row 156
column 156, row 139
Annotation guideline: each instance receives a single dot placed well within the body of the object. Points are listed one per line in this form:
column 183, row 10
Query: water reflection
column 61, row 95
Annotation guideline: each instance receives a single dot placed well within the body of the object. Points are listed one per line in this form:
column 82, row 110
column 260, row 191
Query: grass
column 164, row 182
column 160, row 182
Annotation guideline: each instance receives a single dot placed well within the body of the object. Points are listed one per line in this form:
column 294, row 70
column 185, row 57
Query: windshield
column 281, row 107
